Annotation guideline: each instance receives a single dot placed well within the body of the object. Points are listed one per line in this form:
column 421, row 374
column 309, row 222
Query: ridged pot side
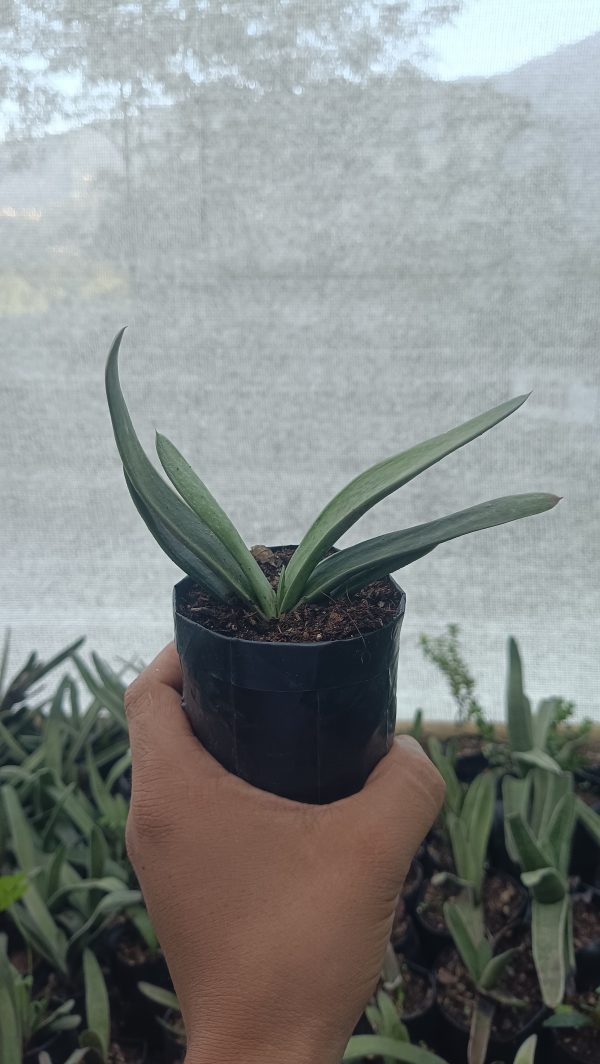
column 307, row 721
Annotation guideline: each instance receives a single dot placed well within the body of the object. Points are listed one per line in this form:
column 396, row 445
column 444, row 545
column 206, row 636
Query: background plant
column 539, row 824
column 444, row 652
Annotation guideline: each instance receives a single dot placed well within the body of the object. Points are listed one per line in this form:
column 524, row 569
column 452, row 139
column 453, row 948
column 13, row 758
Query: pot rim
column 228, row 639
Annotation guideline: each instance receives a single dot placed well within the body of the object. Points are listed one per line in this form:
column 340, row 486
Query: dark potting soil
column 372, row 607
column 456, row 993
column 582, row 1042
column 416, row 989
column 502, row 902
column 133, row 952
column 586, row 922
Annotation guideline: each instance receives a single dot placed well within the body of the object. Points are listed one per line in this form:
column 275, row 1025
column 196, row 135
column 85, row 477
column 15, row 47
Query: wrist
column 290, row 1048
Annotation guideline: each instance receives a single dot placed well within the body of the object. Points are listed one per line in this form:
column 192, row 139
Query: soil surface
column 370, row 608
column 502, row 902
column 586, row 921
column 582, row 1042
column 133, row 952
column 456, row 993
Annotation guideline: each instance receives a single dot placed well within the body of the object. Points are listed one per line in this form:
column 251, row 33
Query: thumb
column 400, row 801
column 159, row 729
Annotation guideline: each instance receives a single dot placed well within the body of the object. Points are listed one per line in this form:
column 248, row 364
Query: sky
column 488, row 37
column 492, row 36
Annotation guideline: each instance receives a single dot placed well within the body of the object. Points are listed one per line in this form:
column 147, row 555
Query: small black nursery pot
column 307, row 721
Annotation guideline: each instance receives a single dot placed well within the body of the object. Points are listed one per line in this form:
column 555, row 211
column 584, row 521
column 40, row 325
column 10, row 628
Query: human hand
column 273, row 915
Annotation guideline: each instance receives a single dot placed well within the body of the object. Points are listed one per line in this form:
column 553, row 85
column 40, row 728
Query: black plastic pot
column 421, row 1025
column 468, row 766
column 560, row 1054
column 432, row 940
column 127, row 976
column 584, row 853
column 408, row 943
column 587, row 958
column 409, row 896
column 307, row 721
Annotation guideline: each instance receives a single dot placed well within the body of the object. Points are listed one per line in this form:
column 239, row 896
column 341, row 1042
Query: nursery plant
column 465, row 921
column 25, row 1017
column 584, row 1016
column 469, row 832
column 539, row 824
column 282, row 600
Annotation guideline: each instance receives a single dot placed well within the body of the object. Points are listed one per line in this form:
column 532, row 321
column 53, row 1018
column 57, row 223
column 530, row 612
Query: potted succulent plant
column 289, row 654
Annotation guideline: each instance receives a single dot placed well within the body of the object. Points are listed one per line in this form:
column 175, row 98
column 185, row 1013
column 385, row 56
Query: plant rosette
column 280, row 709
column 512, row 1024
column 504, row 902
column 416, row 1000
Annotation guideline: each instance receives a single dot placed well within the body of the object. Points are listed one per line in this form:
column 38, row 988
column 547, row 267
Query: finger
column 157, row 722
column 401, row 798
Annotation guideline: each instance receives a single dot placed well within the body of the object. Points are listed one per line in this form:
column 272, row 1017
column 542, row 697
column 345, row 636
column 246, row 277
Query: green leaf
column 375, row 558
column 548, row 939
column 371, row 1045
column 530, row 855
column 160, row 996
column 546, row 884
column 214, row 566
column 541, row 721
column 589, row 819
column 98, row 853
column 477, row 816
column 518, row 710
column 454, row 790
column 115, row 901
column 568, row 1017
column 22, row 838
column 107, row 697
column 97, row 1008
column 4, row 656
column 481, row 1028
column 10, row 1036
column 560, row 832
column 11, row 889
column 204, row 504
column 466, row 942
column 537, row 759
column 526, row 1053
column 374, row 484
column 495, row 969
column 118, row 769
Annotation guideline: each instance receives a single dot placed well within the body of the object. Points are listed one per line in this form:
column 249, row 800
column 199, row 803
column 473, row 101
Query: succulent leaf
column 518, row 709
column 369, row 487
column 195, row 493
column 163, row 505
column 548, row 933
column 375, row 558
